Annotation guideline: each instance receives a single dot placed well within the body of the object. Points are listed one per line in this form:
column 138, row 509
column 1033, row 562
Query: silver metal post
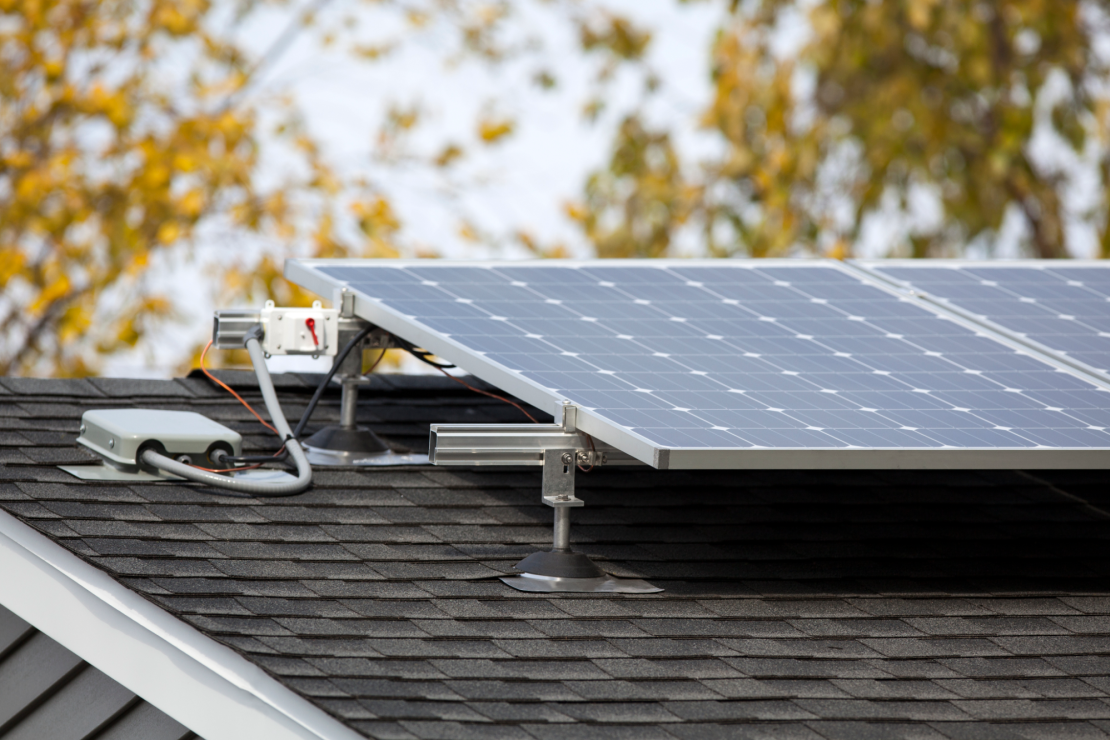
column 347, row 443
column 562, row 529
column 349, row 373
column 562, row 569
column 348, row 409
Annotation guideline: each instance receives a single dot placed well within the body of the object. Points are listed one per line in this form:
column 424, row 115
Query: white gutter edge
column 206, row 686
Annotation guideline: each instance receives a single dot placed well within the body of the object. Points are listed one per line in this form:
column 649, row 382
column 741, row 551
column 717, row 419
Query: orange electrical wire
column 227, row 388
column 518, row 406
column 380, row 358
column 228, row 470
column 491, row 395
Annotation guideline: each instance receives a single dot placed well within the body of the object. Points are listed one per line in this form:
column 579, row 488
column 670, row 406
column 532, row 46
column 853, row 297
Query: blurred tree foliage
column 134, row 132
column 884, row 105
column 123, row 127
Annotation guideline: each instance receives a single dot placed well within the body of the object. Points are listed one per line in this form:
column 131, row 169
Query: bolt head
column 82, row 429
column 111, row 443
column 567, row 458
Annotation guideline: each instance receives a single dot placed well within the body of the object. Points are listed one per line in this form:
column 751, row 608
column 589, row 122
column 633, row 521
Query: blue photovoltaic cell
column 1065, row 308
column 731, row 356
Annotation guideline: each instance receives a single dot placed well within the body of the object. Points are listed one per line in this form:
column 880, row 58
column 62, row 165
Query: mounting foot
column 334, row 445
column 347, row 443
column 561, row 570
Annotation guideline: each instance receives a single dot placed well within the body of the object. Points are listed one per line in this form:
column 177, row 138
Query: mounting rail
column 518, row 444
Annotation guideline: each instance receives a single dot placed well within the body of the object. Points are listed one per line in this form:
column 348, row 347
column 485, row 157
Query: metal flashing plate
column 739, row 364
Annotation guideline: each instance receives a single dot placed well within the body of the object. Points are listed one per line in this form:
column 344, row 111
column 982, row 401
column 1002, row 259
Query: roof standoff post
column 559, row 448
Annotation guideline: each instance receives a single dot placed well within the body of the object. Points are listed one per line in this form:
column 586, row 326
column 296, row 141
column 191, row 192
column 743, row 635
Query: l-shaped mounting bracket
column 560, row 449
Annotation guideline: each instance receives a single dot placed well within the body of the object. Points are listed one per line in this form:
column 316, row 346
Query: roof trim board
column 303, row 273
column 204, row 685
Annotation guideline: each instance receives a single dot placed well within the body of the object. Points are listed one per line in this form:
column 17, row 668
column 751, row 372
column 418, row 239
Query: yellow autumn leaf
column 169, row 232
column 492, row 130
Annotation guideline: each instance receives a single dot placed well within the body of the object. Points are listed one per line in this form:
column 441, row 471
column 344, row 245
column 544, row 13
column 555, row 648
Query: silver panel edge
column 1044, row 352
column 619, row 437
column 302, row 272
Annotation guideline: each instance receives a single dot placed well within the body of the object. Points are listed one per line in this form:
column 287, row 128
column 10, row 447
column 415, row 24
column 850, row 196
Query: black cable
column 248, row 459
column 299, row 429
column 421, row 354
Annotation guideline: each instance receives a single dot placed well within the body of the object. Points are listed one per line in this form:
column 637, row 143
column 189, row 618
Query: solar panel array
column 739, row 355
column 1064, row 307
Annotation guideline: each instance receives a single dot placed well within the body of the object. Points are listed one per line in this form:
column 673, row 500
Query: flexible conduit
column 255, row 488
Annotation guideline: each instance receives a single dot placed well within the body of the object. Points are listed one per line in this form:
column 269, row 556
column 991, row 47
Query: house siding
column 46, row 691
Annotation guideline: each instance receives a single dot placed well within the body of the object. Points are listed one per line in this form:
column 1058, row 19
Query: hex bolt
column 111, row 443
column 567, row 458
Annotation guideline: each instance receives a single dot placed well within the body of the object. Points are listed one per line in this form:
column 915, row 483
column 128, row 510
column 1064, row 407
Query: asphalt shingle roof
column 953, row 604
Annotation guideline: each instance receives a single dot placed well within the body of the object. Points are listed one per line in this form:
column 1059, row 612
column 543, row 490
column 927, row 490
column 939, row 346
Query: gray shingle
column 1088, row 604
column 995, row 709
column 623, row 712
column 596, row 732
column 798, row 604
column 855, row 627
column 1054, row 645
column 865, row 709
column 384, row 688
column 666, row 668
column 797, row 668
column 895, row 689
column 588, row 628
column 815, row 608
column 746, row 731
column 1024, row 607
column 76, row 387
column 643, row 690
column 911, row 647
column 711, row 711
column 132, row 387
column 809, row 648
column 501, row 711
column 989, row 625
column 1001, row 667
column 883, row 730
column 497, row 690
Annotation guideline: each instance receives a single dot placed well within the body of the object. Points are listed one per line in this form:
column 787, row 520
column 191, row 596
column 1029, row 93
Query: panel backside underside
column 1065, row 308
column 722, row 356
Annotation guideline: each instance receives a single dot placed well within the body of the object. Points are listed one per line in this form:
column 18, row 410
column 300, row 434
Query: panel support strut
column 348, row 443
column 561, row 569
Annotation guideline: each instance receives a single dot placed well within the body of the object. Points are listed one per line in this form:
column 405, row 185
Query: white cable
column 258, row 488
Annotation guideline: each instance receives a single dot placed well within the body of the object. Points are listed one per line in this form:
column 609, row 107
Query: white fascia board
column 206, row 686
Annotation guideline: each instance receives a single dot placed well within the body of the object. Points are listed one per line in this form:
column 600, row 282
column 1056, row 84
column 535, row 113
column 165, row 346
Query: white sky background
column 521, row 182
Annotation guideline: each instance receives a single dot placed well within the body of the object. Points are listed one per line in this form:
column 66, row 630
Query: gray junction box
column 119, row 435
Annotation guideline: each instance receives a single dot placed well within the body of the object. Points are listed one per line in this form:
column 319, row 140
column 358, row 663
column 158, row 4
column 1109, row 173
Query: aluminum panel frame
column 873, row 269
column 303, row 272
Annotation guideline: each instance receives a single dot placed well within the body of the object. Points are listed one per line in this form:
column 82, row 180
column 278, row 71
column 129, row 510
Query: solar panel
column 736, row 364
column 1064, row 306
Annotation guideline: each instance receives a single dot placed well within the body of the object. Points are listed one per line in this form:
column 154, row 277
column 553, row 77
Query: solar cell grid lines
column 731, row 355
column 1063, row 306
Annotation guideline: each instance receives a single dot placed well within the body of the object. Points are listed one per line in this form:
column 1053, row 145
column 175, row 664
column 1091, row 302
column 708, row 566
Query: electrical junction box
column 300, row 331
column 119, row 435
